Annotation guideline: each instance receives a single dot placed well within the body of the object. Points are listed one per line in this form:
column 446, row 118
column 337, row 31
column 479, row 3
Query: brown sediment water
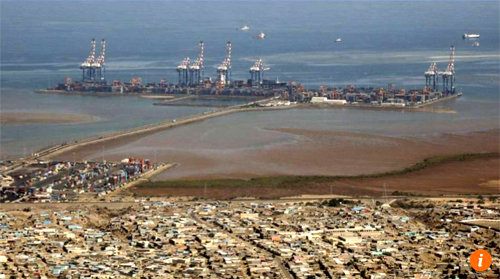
column 453, row 178
column 204, row 151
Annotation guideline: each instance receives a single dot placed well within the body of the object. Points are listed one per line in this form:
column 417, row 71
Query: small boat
column 471, row 36
column 245, row 28
column 338, row 40
column 475, row 44
column 260, row 36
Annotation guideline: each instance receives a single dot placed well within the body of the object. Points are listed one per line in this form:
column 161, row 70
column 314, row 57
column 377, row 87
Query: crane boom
column 91, row 58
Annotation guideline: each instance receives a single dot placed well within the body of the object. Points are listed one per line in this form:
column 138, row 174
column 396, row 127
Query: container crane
column 196, row 68
column 88, row 73
column 257, row 71
column 224, row 69
column 183, row 70
column 431, row 76
column 449, row 74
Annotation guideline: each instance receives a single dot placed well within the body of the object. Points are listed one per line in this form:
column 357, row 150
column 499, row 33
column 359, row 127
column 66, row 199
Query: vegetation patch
column 290, row 182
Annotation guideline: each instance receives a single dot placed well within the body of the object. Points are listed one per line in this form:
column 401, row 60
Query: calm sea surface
column 383, row 42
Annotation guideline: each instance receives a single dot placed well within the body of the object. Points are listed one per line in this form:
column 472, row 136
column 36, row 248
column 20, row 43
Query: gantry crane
column 88, row 70
column 257, row 71
column 183, row 70
column 224, row 69
column 196, row 68
column 431, row 76
column 449, row 74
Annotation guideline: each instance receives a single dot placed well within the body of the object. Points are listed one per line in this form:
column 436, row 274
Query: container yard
column 439, row 85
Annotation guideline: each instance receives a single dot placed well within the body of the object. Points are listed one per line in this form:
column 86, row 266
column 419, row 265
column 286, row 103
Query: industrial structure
column 257, row 72
column 448, row 76
column 183, row 70
column 93, row 69
column 431, row 76
column 196, row 68
column 101, row 61
column 224, row 69
column 439, row 85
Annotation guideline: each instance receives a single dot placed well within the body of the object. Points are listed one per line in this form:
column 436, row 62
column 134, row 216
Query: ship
column 338, row 40
column 245, row 28
column 471, row 36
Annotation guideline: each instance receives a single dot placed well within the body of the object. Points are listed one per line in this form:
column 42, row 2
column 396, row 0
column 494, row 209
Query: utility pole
column 385, row 193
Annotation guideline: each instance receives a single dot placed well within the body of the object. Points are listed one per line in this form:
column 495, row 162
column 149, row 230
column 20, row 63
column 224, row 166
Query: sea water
column 382, row 42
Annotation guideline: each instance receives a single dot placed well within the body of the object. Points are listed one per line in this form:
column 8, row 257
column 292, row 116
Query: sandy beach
column 16, row 118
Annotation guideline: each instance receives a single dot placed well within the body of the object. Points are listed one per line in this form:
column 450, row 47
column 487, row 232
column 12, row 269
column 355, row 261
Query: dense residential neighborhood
column 162, row 238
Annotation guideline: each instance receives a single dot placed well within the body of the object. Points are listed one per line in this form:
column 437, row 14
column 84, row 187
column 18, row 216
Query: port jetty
column 439, row 85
